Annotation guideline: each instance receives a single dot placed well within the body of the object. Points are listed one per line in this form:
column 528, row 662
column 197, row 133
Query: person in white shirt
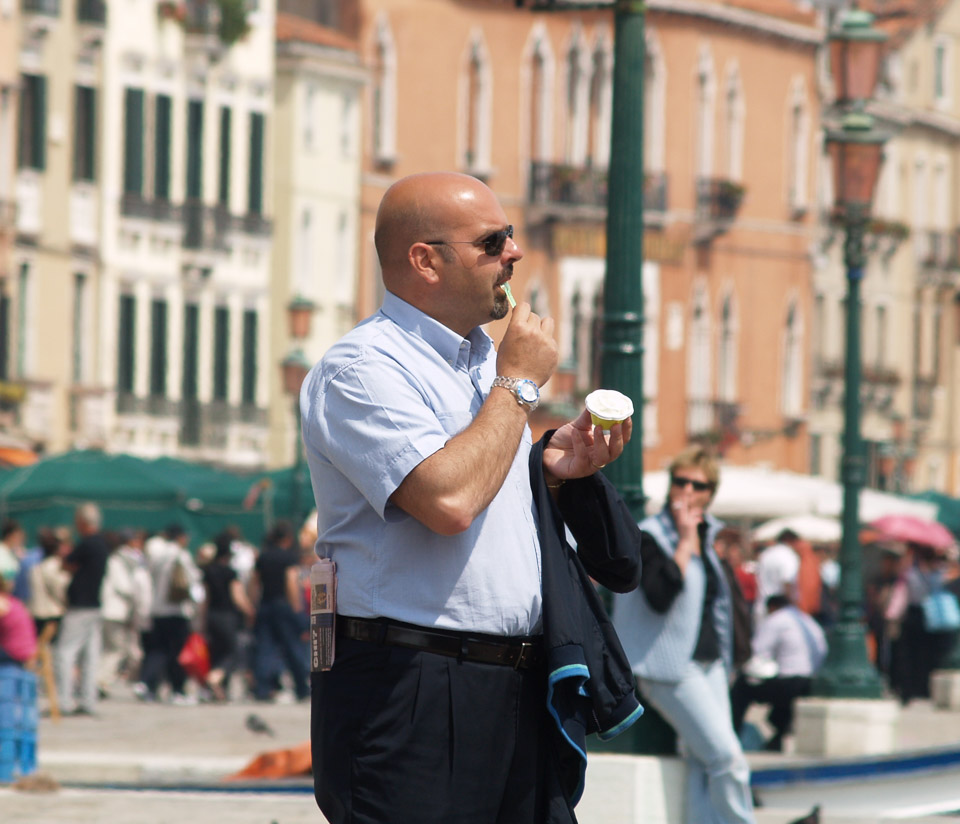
column 788, row 649
column 776, row 572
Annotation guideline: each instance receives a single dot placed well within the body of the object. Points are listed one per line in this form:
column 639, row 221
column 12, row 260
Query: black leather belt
column 516, row 652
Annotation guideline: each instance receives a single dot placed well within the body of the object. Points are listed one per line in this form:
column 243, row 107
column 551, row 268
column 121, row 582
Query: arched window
column 384, row 94
column 654, row 107
column 476, row 97
column 577, row 102
column 699, row 404
column 706, row 100
column 601, row 86
column 799, row 124
column 792, row 388
column 727, row 354
column 735, row 116
column 537, row 77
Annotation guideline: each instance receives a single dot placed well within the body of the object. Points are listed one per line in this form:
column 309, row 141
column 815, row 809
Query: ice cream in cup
column 608, row 407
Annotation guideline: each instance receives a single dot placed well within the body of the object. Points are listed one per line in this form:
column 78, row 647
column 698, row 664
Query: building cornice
column 295, row 55
column 904, row 117
column 741, row 18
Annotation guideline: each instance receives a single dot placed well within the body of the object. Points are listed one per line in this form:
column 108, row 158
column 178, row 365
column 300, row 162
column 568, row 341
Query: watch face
column 528, row 392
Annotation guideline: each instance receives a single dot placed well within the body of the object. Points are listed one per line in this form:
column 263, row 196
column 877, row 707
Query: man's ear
column 423, row 258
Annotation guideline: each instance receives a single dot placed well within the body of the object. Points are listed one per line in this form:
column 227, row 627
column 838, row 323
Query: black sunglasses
column 698, row 486
column 492, row 244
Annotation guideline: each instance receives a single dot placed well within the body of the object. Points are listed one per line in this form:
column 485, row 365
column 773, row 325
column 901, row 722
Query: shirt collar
column 444, row 340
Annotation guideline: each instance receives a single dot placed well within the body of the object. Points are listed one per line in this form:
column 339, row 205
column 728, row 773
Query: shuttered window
column 158, row 348
column 126, row 343
column 133, row 142
column 85, row 133
column 195, row 149
column 223, row 197
column 191, row 350
column 249, row 388
column 221, row 352
column 4, row 336
column 161, row 147
column 255, row 199
column 32, row 136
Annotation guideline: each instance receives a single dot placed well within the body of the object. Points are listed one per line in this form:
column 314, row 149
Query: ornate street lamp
column 856, row 149
column 295, row 367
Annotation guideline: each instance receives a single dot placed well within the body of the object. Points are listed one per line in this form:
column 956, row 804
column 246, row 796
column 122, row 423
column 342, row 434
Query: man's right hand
column 528, row 349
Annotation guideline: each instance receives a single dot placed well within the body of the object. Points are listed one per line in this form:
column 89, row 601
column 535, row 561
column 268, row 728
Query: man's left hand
column 579, row 449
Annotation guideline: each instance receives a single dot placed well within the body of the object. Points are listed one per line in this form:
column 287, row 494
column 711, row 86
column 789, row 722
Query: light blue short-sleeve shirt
column 385, row 397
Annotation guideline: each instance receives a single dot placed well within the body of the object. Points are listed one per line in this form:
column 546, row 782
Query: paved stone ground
column 160, row 744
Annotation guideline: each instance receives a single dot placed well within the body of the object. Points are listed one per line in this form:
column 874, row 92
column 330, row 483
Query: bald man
column 416, row 435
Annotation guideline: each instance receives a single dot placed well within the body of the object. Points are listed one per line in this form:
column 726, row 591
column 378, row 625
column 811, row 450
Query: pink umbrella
column 914, row 530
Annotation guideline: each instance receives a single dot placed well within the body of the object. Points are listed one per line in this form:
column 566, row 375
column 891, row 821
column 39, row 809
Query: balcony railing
column 137, row 206
column 718, row 199
column 92, row 11
column 923, row 387
column 51, row 8
column 655, row 192
column 206, row 424
column 933, row 249
column 552, row 183
column 254, row 224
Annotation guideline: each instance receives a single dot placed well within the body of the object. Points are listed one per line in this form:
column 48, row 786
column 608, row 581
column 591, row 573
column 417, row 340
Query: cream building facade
column 316, row 184
column 144, row 292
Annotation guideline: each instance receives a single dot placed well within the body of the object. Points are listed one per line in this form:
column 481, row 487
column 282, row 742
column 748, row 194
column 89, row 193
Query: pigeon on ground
column 812, row 818
column 256, row 724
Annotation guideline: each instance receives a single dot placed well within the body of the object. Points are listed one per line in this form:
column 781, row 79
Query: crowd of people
column 121, row 604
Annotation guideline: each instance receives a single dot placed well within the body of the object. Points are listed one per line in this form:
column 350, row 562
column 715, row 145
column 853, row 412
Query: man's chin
column 500, row 309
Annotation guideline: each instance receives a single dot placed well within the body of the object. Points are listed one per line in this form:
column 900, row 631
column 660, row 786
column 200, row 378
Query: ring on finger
column 598, row 466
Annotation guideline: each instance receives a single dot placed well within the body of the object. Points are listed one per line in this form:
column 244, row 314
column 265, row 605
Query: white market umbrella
column 814, row 528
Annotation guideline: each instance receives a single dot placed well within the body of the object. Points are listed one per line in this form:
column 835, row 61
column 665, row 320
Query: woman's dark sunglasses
column 492, row 244
column 698, row 486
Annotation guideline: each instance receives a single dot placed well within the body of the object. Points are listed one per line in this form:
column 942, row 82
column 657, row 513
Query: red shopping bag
column 195, row 657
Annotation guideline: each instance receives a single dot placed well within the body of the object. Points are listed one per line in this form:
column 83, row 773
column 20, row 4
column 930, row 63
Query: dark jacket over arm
column 590, row 683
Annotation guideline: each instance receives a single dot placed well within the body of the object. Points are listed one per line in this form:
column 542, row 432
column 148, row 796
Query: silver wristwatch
column 524, row 390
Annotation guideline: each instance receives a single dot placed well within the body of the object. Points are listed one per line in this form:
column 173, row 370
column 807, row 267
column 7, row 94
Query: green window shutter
column 158, row 348
column 195, row 149
column 79, row 298
column 255, row 199
column 133, row 142
column 191, row 350
column 32, row 135
column 4, row 336
column 221, row 353
column 161, row 152
column 126, row 343
column 225, row 122
column 249, row 389
column 40, row 123
column 85, row 133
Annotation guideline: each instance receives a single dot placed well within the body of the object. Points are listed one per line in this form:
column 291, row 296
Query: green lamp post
column 856, row 149
column 622, row 344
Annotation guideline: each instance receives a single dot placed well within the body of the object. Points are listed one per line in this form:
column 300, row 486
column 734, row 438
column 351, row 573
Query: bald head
column 423, row 207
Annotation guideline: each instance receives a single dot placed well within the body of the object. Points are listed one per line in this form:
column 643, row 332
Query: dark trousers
column 401, row 736
column 780, row 693
column 277, row 632
column 162, row 645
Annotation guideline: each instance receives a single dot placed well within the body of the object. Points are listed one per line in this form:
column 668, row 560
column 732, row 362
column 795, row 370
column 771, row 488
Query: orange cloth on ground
column 278, row 764
column 809, row 583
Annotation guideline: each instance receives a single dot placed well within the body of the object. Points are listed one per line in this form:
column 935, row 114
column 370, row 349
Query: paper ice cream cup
column 608, row 407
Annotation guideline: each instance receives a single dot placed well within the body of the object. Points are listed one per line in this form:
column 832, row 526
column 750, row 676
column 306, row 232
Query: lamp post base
column 945, row 689
column 847, row 673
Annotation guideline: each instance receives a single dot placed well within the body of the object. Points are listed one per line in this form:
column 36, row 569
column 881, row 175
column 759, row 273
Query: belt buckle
column 525, row 647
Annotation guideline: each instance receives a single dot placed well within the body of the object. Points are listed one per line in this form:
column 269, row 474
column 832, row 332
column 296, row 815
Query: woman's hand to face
column 688, row 504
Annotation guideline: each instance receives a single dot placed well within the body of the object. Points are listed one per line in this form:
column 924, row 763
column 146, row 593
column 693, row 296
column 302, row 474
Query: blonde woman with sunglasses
column 677, row 631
